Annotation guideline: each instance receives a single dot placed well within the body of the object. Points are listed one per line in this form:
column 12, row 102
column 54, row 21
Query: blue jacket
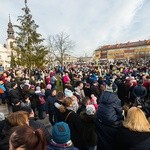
column 110, row 110
column 2, row 87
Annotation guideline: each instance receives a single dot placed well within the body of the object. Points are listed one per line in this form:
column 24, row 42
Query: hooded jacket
column 109, row 111
column 89, row 129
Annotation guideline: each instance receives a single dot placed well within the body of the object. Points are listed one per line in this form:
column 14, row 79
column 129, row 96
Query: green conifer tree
column 29, row 49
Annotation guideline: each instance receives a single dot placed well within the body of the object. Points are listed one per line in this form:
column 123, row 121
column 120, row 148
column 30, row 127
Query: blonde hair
column 136, row 120
column 18, row 118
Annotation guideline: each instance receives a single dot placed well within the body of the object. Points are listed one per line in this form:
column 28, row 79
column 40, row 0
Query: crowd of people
column 89, row 107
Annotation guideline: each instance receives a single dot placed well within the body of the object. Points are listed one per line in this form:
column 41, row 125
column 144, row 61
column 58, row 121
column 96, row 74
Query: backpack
column 1, row 91
column 41, row 100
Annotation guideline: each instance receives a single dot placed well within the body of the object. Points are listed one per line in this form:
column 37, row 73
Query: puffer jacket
column 110, row 110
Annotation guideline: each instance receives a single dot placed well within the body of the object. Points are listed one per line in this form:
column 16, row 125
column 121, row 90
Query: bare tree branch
column 60, row 45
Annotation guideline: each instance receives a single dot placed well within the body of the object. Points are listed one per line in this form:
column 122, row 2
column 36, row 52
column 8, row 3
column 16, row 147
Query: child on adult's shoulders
column 93, row 101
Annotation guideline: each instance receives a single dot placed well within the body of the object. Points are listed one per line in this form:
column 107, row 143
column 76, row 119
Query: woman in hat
column 89, row 129
column 40, row 98
column 108, row 117
column 73, row 120
column 61, row 137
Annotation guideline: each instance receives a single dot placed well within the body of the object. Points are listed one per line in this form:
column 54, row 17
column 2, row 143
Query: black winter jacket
column 89, row 129
column 131, row 140
column 76, row 128
column 37, row 124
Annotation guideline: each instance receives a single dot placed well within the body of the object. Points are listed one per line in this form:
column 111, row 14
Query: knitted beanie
column 61, row 133
column 49, row 86
column 90, row 109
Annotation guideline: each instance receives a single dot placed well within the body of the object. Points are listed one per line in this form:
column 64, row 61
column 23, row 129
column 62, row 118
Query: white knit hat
column 38, row 89
column 90, row 110
column 2, row 117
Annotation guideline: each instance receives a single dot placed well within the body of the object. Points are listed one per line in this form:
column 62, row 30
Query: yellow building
column 97, row 55
column 123, row 51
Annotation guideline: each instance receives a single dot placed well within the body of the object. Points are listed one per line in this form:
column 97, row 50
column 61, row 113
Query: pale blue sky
column 90, row 23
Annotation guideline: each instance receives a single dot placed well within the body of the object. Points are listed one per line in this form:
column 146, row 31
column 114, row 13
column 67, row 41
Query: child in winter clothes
column 75, row 105
column 93, row 101
column 89, row 129
column 61, row 138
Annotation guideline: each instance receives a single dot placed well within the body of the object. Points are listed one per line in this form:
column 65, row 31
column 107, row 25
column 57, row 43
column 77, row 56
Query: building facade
column 5, row 57
column 5, row 50
column 124, row 51
column 69, row 59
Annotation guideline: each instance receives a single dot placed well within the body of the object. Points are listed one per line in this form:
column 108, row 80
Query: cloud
column 90, row 24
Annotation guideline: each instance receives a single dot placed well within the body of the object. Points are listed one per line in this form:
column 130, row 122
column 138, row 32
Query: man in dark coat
column 109, row 117
column 13, row 95
column 139, row 90
column 50, row 108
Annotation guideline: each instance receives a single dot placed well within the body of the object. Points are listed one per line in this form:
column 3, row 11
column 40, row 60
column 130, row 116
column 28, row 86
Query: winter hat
column 27, row 82
column 90, row 110
column 38, row 89
column 111, row 86
column 68, row 93
column 2, row 117
column 61, row 133
column 49, row 86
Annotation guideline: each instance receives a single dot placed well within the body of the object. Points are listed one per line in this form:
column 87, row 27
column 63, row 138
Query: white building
column 5, row 50
column 5, row 56
column 69, row 59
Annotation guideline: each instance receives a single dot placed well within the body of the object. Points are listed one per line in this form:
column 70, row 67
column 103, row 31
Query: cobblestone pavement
column 3, row 109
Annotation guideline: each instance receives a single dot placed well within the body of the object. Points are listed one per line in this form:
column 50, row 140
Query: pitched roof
column 125, row 45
